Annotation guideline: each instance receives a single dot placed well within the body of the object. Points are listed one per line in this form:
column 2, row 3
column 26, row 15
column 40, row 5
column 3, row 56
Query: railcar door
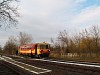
column 35, row 49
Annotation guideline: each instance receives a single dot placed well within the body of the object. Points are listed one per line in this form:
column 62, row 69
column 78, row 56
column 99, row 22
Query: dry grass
column 94, row 59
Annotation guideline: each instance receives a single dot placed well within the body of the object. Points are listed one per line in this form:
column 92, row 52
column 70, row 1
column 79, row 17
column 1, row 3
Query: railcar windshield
column 44, row 46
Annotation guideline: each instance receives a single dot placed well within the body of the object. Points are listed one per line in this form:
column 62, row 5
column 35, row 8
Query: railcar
column 38, row 50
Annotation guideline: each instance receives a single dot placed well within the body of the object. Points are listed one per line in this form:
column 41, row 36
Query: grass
column 94, row 59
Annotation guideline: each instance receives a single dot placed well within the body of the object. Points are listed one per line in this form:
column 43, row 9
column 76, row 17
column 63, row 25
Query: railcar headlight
column 41, row 51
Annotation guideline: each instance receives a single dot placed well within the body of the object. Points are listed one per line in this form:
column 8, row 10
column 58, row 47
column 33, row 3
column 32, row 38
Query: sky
column 44, row 19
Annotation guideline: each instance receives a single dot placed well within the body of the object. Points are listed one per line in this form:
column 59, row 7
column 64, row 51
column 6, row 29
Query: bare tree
column 95, row 33
column 86, row 40
column 10, row 46
column 63, row 39
column 8, row 13
column 0, row 49
column 24, row 38
column 55, row 47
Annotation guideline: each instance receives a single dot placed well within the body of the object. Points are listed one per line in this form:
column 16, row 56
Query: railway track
column 22, row 68
column 63, row 69
column 60, row 67
column 5, row 69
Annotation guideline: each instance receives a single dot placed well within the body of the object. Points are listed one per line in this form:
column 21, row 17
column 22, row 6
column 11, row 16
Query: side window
column 29, row 48
column 38, row 46
column 47, row 46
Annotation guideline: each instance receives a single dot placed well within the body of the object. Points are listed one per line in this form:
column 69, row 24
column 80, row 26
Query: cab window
column 44, row 46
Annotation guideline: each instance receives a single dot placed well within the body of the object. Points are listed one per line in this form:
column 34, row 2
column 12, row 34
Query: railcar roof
column 30, row 45
column 43, row 43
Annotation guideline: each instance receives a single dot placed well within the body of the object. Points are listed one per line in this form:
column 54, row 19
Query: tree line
column 84, row 44
column 11, row 45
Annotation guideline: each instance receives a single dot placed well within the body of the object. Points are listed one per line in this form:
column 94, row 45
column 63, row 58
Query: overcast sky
column 44, row 19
